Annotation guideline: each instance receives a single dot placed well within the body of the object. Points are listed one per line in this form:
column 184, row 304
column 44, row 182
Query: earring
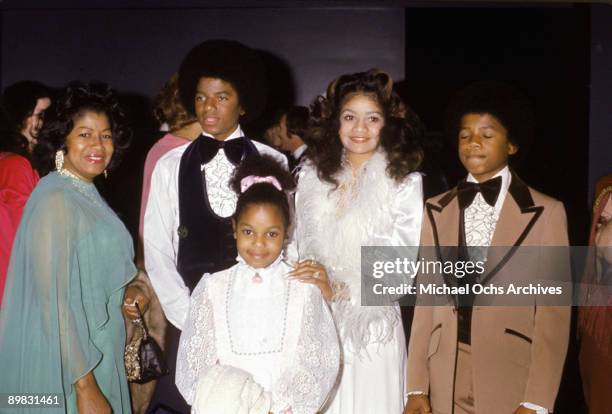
column 59, row 160
column 105, row 174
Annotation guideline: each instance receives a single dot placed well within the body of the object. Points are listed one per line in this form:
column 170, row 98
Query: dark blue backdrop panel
column 136, row 50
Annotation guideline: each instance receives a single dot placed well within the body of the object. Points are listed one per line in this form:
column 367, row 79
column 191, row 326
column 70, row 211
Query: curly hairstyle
column 18, row 103
column 511, row 108
column 400, row 137
column 168, row 106
column 262, row 193
column 72, row 103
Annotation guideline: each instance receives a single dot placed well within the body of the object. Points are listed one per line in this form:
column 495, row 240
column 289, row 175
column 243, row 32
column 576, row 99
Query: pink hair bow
column 249, row 180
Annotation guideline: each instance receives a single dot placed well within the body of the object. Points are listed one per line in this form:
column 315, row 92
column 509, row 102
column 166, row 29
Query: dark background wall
column 600, row 116
column 138, row 49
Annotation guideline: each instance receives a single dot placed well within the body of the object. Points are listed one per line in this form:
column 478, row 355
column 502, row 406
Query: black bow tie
column 466, row 191
column 234, row 149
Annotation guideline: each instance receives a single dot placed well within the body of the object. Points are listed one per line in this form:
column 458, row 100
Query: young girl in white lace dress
column 256, row 341
column 359, row 189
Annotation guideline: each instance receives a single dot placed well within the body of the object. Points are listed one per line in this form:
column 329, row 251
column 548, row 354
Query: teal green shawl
column 61, row 311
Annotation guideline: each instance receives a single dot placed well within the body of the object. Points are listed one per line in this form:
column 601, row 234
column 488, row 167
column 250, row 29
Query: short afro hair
column 297, row 120
column 230, row 61
column 511, row 108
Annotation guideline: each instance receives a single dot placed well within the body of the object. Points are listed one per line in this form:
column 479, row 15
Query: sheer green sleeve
column 56, row 275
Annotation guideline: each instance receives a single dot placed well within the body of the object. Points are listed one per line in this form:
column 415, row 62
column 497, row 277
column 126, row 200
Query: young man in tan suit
column 479, row 359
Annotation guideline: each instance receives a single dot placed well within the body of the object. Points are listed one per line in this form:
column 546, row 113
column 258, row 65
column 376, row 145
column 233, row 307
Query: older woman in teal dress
column 61, row 324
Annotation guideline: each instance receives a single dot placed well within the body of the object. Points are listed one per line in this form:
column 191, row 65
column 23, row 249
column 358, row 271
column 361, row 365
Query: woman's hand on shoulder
column 90, row 399
column 314, row 273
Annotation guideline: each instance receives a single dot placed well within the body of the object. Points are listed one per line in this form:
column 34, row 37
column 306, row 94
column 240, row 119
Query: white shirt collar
column 297, row 153
column 236, row 134
column 504, row 173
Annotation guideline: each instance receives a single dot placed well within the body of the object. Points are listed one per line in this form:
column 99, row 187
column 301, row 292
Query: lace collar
column 279, row 265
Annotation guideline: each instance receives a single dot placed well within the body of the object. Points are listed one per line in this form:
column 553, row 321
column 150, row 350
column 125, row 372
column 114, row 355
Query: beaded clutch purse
column 144, row 360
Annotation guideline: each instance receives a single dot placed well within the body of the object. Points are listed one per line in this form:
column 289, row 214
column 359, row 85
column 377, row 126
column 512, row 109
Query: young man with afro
column 472, row 354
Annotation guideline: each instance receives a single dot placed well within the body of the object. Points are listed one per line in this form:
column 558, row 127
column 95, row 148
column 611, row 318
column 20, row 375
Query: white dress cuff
column 538, row 409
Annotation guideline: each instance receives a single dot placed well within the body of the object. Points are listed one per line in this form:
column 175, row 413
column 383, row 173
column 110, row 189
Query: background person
column 183, row 127
column 24, row 104
column 293, row 125
column 272, row 135
column 21, row 117
column 595, row 322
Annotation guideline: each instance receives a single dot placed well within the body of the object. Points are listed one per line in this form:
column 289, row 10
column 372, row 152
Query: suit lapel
column 516, row 219
column 444, row 218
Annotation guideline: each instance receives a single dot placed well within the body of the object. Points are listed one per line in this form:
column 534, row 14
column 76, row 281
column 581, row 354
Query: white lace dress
column 368, row 209
column 275, row 337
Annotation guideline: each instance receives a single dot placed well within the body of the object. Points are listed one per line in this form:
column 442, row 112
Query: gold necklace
column 84, row 187
column 67, row 173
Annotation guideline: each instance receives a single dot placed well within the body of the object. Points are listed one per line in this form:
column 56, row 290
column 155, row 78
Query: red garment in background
column 595, row 322
column 17, row 180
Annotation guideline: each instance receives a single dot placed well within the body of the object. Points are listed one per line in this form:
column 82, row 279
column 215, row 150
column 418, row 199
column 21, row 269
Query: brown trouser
column 464, row 390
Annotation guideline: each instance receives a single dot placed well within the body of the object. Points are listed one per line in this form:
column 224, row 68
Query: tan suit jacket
column 518, row 352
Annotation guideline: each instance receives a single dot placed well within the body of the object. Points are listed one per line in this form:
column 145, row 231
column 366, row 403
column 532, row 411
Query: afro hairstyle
column 511, row 108
column 230, row 61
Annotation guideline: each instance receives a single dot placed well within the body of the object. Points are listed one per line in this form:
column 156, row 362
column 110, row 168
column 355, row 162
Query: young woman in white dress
column 360, row 188
column 255, row 341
